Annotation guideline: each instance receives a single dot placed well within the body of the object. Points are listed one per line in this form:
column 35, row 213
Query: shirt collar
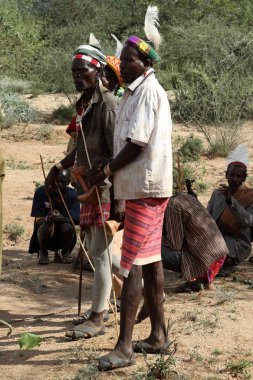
column 136, row 83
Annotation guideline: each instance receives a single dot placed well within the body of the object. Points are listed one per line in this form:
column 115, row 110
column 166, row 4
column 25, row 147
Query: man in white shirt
column 142, row 176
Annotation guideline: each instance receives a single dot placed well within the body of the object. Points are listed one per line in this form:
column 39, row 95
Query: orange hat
column 114, row 63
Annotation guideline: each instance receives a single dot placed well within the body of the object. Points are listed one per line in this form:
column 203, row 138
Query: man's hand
column 96, row 174
column 56, row 217
column 225, row 190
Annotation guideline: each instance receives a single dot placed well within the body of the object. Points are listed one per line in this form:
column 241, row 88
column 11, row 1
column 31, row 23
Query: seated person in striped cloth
column 53, row 230
column 192, row 243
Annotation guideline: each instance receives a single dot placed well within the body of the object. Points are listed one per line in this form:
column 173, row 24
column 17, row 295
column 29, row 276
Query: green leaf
column 28, row 340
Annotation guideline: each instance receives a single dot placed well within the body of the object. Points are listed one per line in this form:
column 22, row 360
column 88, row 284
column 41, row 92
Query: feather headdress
column 93, row 41
column 150, row 27
column 239, row 155
column 119, row 46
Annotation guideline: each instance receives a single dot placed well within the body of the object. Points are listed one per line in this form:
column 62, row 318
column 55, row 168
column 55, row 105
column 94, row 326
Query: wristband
column 107, row 171
column 59, row 166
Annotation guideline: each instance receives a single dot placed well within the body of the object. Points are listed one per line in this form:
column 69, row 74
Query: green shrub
column 14, row 231
column 191, row 149
column 194, row 172
column 11, row 85
column 15, row 110
column 239, row 367
column 44, row 132
column 63, row 114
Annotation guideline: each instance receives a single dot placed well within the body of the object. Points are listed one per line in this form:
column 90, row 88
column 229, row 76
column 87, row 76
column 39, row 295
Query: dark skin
column 109, row 79
column 236, row 175
column 132, row 66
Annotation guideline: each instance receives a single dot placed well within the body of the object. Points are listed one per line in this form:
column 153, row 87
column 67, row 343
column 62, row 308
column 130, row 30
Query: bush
column 191, row 149
column 194, row 172
column 44, row 132
column 63, row 114
column 15, row 110
column 15, row 85
column 14, row 231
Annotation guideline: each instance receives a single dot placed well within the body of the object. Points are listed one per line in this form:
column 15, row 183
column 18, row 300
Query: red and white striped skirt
column 142, row 232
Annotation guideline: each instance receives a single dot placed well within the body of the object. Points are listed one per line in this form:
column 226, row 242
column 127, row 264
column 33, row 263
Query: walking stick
column 83, row 249
column 47, row 194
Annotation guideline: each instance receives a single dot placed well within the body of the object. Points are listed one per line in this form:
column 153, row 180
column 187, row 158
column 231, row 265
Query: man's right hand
column 50, row 179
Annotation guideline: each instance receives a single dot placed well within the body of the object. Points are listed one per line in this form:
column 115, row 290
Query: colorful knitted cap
column 144, row 47
column 91, row 54
column 114, row 63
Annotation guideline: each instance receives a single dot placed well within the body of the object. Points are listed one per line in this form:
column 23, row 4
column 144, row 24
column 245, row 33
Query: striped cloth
column 90, row 215
column 142, row 232
column 189, row 228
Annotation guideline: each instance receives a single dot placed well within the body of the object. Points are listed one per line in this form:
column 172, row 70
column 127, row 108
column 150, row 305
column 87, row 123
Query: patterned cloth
column 144, row 47
column 189, row 228
column 114, row 63
column 93, row 55
column 90, row 215
column 142, row 232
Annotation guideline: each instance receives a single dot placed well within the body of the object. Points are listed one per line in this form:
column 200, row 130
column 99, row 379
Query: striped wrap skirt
column 142, row 232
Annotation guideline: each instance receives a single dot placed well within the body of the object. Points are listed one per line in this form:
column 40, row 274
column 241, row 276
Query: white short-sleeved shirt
column 143, row 117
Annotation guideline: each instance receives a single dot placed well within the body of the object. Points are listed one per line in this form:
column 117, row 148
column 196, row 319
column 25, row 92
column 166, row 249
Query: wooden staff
column 47, row 194
column 83, row 249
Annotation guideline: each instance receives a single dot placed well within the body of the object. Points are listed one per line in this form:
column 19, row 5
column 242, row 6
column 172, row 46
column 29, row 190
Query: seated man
column 52, row 227
column 231, row 206
column 191, row 243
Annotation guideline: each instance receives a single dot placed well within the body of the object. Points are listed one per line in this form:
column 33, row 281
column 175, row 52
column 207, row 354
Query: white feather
column 119, row 46
column 94, row 41
column 150, row 27
column 240, row 153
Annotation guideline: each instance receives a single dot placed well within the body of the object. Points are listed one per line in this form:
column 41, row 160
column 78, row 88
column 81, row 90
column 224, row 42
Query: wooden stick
column 47, row 194
column 81, row 257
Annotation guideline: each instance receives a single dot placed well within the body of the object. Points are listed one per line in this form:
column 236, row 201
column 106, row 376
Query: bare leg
column 130, row 299
column 154, row 293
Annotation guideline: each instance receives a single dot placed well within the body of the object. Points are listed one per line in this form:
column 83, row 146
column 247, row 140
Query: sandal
column 86, row 316
column 113, row 360
column 85, row 330
column 143, row 346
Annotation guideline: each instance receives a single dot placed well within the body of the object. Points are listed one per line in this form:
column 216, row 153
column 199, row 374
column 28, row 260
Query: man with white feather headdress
column 142, row 176
column 232, row 208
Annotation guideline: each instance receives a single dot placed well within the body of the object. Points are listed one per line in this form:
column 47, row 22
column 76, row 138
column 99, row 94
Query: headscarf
column 91, row 54
column 144, row 47
column 113, row 63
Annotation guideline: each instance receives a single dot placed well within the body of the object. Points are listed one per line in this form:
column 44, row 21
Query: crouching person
column 191, row 243
column 53, row 230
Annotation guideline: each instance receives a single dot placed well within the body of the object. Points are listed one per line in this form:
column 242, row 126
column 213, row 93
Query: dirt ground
column 211, row 329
